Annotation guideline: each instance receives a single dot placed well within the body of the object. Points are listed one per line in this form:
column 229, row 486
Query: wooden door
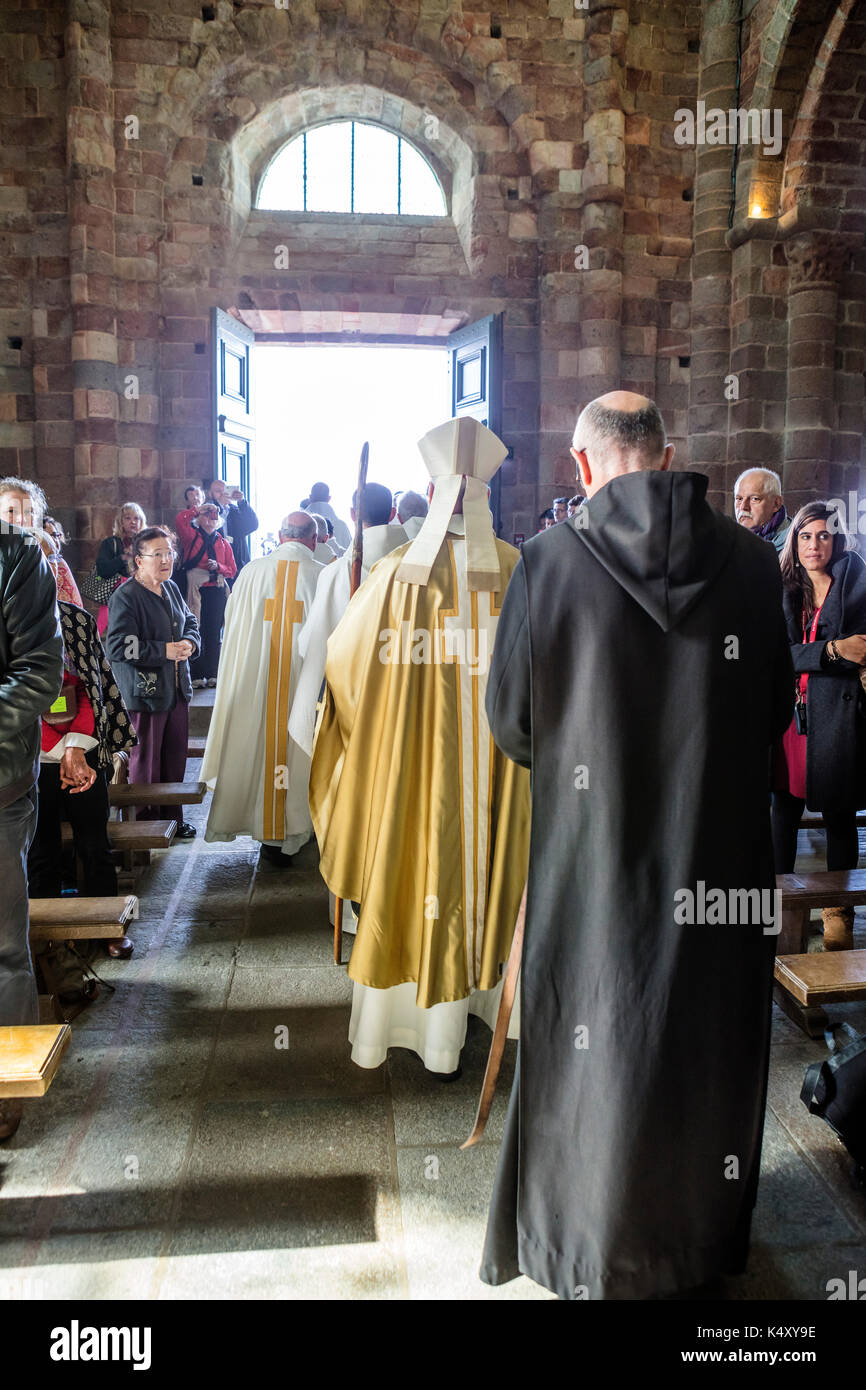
column 235, row 431
column 475, row 381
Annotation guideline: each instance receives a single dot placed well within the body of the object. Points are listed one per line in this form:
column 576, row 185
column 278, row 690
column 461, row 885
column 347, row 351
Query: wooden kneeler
column 88, row 919
column 805, row 982
column 29, row 1057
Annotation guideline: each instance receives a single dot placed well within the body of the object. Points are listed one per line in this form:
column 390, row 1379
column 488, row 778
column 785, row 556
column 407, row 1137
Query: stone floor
column 182, row 1154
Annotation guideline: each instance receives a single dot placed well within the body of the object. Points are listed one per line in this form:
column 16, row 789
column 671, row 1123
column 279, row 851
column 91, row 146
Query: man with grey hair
column 759, row 507
column 323, row 551
column 259, row 773
column 411, row 511
column 641, row 670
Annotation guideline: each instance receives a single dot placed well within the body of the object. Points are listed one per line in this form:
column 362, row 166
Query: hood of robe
column 657, row 536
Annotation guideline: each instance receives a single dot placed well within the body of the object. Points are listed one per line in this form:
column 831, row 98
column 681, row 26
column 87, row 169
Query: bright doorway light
column 315, row 406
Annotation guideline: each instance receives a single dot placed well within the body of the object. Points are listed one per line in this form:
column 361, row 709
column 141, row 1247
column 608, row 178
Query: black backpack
column 835, row 1089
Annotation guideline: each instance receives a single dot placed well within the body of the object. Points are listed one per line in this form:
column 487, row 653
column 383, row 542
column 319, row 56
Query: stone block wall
column 134, row 134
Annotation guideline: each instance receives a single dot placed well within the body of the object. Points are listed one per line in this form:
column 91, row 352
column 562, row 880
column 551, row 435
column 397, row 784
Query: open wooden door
column 475, row 379
column 234, row 431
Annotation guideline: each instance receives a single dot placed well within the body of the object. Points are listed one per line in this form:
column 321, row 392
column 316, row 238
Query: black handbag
column 835, row 1089
column 97, row 589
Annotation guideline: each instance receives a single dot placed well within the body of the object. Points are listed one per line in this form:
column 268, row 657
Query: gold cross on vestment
column 282, row 612
column 468, row 629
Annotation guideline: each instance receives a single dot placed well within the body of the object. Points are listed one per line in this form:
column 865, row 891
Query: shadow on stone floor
column 258, row 1214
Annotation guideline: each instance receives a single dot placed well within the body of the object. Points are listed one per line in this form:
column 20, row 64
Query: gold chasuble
column 418, row 815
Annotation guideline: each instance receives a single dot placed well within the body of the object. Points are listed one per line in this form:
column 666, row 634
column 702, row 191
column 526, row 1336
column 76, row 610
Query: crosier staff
column 354, row 584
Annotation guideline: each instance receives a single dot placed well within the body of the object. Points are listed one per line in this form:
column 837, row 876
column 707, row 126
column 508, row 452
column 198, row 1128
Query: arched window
column 350, row 166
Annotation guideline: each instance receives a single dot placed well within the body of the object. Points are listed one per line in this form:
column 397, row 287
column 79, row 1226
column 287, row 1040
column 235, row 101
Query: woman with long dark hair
column 823, row 755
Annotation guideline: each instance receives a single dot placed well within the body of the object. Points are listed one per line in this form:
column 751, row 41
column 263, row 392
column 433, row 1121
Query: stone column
column 758, row 351
column 711, row 264
column 90, row 170
column 816, row 260
column 580, row 200
column 603, row 188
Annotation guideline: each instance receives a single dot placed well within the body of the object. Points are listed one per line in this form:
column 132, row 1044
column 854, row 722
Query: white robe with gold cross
column 259, row 774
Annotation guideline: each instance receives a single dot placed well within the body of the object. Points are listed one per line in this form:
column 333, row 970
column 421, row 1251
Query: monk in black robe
column 642, row 671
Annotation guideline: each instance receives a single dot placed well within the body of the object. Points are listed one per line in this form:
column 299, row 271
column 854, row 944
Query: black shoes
column 185, row 831
column 272, row 854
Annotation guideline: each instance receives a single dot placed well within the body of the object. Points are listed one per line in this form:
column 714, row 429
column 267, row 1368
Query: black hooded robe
column 642, row 670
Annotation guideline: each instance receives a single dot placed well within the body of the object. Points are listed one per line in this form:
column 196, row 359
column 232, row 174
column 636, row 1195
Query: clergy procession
column 547, row 788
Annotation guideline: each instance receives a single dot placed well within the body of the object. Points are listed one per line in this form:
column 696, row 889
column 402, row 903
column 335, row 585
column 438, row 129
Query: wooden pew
column 800, row 894
column 129, row 795
column 73, row 919
column 131, row 836
column 803, row 892
column 195, row 747
column 820, row 977
column 813, row 820
column 29, row 1057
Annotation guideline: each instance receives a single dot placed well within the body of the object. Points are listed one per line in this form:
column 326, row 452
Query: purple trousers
column 160, row 754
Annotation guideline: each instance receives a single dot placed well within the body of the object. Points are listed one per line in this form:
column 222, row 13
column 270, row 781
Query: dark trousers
column 18, row 1001
column 843, row 850
column 87, row 813
column 213, row 611
column 160, row 754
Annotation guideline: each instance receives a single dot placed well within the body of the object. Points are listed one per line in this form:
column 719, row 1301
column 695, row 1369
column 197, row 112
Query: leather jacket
column 31, row 658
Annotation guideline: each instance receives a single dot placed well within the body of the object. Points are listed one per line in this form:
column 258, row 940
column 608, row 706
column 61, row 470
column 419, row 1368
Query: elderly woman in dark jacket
column 823, row 756
column 151, row 637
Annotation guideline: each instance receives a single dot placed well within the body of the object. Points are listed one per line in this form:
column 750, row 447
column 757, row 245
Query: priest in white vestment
column 333, row 591
column 325, row 553
column 319, row 502
column 418, row 816
column 259, row 774
column 411, row 513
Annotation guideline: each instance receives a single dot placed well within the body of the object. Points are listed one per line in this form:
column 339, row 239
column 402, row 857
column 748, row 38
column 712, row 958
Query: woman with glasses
column 822, row 762
column 151, row 637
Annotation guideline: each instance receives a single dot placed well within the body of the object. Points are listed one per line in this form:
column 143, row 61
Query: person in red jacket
column 208, row 560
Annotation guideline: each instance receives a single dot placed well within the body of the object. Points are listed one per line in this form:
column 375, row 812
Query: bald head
column 299, row 526
column 619, row 433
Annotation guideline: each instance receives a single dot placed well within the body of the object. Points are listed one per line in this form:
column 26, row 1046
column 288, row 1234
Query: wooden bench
column 133, row 839
column 29, row 1057
column 131, row 836
column 195, row 747
column 821, row 977
column 129, row 795
column 812, row 820
column 800, row 894
column 73, row 919
column 803, row 892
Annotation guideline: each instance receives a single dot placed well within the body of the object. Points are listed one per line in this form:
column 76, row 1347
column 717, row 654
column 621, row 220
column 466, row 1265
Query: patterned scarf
column 769, row 528
column 85, row 656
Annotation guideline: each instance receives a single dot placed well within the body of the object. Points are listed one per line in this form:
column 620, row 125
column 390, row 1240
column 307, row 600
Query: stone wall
column 133, row 135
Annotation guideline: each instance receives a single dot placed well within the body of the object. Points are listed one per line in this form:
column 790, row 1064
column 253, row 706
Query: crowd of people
column 399, row 723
